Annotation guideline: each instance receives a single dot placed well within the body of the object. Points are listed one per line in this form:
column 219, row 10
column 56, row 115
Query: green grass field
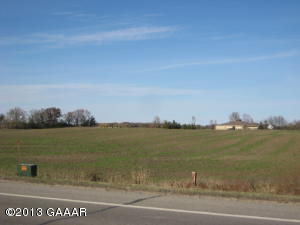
column 246, row 161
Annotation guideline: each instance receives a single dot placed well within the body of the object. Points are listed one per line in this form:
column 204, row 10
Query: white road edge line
column 153, row 208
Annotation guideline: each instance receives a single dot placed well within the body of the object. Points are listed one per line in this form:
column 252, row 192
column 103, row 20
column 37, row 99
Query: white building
column 237, row 125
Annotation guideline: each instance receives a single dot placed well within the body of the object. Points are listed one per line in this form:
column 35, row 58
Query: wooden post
column 194, row 178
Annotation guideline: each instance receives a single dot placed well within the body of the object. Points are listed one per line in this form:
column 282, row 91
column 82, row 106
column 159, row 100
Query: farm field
column 243, row 161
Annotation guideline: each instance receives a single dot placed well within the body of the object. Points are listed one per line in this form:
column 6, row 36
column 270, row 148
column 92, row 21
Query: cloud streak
column 280, row 55
column 126, row 34
column 23, row 93
column 79, row 16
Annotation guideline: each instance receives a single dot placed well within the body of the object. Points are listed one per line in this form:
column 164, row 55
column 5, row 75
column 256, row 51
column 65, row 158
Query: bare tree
column 156, row 121
column 44, row 117
column 2, row 120
column 277, row 121
column 212, row 122
column 193, row 121
column 52, row 115
column 36, row 119
column 234, row 116
column 80, row 117
column 16, row 117
column 247, row 118
column 70, row 118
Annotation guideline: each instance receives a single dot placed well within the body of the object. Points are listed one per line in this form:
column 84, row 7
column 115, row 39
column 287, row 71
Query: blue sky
column 133, row 60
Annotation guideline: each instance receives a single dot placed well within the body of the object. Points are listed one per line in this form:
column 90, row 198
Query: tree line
column 273, row 122
column 45, row 118
column 53, row 117
column 175, row 125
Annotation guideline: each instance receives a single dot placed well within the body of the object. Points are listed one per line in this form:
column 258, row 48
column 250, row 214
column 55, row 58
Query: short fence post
column 194, row 178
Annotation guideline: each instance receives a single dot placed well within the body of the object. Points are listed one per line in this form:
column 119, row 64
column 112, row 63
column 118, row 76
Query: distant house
column 237, row 125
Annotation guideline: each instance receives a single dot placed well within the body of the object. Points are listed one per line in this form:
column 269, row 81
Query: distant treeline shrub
column 172, row 125
column 45, row 118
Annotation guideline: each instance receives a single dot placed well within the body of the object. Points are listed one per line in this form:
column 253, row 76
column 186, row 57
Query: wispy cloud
column 77, row 16
column 23, row 93
column 227, row 61
column 138, row 33
column 60, row 39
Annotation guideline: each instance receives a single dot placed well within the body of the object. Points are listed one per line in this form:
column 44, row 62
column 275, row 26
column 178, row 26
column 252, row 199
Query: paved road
column 100, row 206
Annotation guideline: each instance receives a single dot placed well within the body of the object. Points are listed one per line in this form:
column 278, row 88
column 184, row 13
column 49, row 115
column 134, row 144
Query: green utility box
column 29, row 170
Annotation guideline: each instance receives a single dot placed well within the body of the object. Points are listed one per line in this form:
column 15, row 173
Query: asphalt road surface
column 37, row 204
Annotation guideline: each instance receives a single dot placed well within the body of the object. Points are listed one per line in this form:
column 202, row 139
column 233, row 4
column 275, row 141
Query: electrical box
column 29, row 170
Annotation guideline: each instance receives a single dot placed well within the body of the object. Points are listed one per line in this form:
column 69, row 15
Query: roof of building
column 240, row 123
